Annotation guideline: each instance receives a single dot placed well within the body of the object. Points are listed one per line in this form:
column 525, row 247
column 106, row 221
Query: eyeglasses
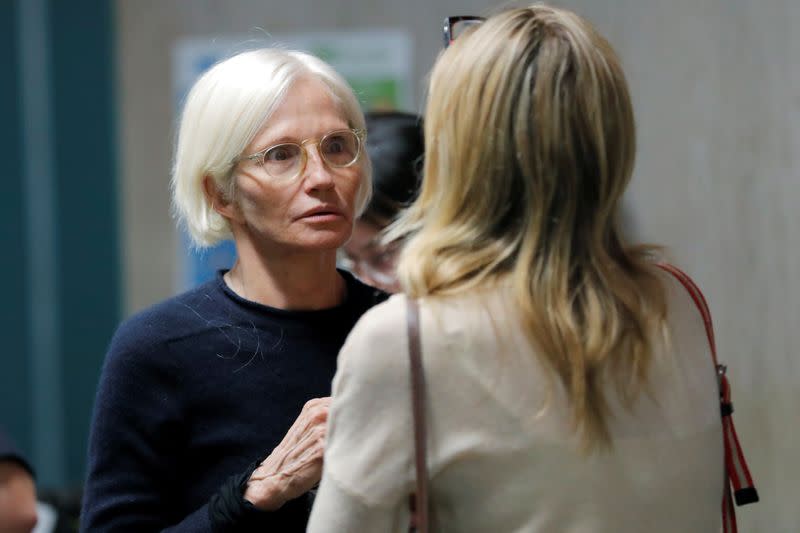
column 286, row 161
column 455, row 26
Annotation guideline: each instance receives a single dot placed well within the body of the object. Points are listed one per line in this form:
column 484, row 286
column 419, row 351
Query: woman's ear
column 219, row 200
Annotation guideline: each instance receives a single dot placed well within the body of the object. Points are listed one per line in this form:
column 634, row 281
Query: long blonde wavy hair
column 530, row 144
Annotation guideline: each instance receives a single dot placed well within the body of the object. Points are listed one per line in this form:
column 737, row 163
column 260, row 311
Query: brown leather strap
column 418, row 408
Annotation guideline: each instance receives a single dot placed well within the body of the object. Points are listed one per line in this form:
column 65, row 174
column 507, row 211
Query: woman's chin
column 324, row 240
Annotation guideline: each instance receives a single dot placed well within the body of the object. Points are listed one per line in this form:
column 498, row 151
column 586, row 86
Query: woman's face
column 314, row 211
column 372, row 262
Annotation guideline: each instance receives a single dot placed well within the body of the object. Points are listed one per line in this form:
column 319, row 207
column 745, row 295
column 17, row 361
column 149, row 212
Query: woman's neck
column 292, row 281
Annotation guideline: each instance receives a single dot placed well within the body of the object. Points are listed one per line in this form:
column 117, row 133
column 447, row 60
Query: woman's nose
column 317, row 175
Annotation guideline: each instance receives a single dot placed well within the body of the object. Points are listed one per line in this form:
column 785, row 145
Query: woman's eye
column 334, row 146
column 279, row 154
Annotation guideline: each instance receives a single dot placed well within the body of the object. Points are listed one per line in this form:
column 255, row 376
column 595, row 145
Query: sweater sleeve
column 135, row 440
column 368, row 472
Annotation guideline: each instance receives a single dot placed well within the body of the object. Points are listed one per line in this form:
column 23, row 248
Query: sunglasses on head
column 455, row 26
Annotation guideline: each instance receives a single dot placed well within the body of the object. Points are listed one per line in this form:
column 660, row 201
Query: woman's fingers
column 309, row 450
column 291, row 459
column 295, row 465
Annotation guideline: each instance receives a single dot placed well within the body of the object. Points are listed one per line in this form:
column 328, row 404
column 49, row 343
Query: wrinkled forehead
column 309, row 108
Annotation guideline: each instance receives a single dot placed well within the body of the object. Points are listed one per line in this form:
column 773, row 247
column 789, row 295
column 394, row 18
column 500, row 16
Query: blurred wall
column 717, row 94
column 58, row 225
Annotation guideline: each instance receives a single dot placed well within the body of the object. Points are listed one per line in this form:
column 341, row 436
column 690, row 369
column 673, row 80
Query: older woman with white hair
column 211, row 409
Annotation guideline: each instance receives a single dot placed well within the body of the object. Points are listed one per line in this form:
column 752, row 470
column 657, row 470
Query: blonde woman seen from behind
column 570, row 385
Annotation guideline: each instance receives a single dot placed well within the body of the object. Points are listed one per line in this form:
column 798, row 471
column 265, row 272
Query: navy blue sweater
column 196, row 388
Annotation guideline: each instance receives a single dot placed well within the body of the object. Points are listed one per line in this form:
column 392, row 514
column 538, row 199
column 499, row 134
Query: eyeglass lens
column 458, row 28
column 337, row 149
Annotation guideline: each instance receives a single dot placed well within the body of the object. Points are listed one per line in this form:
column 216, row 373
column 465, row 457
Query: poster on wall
column 376, row 63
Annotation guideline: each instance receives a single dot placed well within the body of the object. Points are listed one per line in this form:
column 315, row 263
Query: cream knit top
column 502, row 456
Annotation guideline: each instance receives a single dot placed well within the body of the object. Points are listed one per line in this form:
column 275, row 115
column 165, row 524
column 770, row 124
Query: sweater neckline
column 260, row 310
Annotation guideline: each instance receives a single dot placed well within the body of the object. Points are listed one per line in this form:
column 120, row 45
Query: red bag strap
column 737, row 473
column 418, row 502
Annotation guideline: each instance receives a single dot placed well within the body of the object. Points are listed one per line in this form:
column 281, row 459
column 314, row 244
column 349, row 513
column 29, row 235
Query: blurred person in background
column 395, row 145
column 17, row 490
column 211, row 408
column 570, row 382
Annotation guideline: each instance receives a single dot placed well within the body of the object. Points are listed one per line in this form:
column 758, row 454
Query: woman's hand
column 295, row 466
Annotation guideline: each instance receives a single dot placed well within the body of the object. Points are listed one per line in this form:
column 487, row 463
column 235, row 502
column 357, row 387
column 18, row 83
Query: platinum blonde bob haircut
column 224, row 111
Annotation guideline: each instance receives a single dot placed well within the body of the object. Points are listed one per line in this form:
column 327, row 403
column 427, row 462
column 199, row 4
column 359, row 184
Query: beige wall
column 717, row 94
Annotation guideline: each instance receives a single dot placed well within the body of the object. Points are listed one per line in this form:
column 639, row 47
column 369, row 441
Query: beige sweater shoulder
column 502, row 454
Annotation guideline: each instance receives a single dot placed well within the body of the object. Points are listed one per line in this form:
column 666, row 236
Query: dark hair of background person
column 395, row 144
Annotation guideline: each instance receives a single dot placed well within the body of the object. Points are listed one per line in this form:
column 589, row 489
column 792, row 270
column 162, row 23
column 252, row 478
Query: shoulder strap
column 419, row 500
column 737, row 473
